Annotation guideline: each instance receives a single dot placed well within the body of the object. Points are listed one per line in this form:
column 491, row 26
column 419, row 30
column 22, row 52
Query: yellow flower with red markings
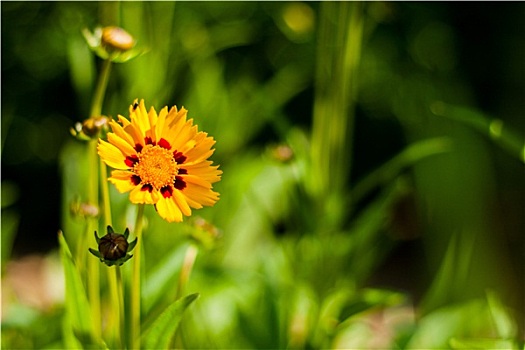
column 161, row 160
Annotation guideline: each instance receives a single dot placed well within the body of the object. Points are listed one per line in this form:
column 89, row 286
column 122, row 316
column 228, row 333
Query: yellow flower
column 161, row 160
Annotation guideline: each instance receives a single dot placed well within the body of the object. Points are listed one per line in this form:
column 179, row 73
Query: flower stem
column 336, row 86
column 187, row 267
column 93, row 266
column 122, row 320
column 105, row 193
column 96, row 169
column 100, row 90
column 136, row 282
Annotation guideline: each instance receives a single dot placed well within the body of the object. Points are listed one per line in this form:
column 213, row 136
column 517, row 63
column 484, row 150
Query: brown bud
column 92, row 126
column 282, row 153
column 117, row 38
column 113, row 246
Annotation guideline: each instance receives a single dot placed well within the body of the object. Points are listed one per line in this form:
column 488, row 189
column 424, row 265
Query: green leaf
column 391, row 169
column 481, row 343
column 161, row 277
column 78, row 323
column 159, row 334
column 504, row 136
column 505, row 326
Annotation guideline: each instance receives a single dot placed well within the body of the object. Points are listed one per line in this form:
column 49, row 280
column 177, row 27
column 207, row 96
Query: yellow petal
column 139, row 196
column 168, row 210
column 121, row 144
column 181, row 202
column 152, row 118
column 139, row 118
column 205, row 171
column 200, row 195
column 119, row 131
column 196, row 180
column 122, row 180
column 202, row 150
column 161, row 120
column 184, row 138
column 111, row 155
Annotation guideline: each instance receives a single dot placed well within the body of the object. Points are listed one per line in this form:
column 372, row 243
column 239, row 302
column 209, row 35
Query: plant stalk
column 136, row 282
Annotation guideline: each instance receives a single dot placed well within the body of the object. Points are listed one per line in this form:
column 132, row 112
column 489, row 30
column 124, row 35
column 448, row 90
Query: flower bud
column 116, row 38
column 83, row 209
column 92, row 126
column 112, row 43
column 282, row 153
column 113, row 248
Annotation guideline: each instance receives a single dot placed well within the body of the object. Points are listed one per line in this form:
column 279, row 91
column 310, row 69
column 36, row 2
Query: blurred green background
column 366, row 148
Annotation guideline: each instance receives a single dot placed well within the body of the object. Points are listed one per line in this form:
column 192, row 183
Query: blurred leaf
column 494, row 128
column 159, row 334
column 303, row 314
column 366, row 227
column 505, row 326
column 453, row 272
column 10, row 222
column 389, row 170
column 159, row 277
column 78, row 324
column 466, row 320
column 10, row 218
column 488, row 344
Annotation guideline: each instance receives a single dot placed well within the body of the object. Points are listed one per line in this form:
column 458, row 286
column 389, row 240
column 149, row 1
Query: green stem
column 121, row 306
column 187, row 267
column 338, row 55
column 136, row 282
column 116, row 319
column 105, row 193
column 100, row 90
column 93, row 268
column 94, row 265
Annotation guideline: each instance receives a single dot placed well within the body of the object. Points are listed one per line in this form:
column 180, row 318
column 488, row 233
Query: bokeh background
column 440, row 223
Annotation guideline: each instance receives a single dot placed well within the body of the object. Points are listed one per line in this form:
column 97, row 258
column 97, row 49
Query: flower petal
column 111, row 155
column 181, row 202
column 203, row 148
column 139, row 118
column 200, row 195
column 141, row 196
column 168, row 210
column 152, row 118
column 205, row 171
column 161, row 120
column 122, row 144
column 122, row 180
column 132, row 130
column 120, row 132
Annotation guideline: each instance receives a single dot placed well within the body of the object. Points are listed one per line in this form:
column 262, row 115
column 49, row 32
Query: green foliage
column 77, row 324
column 161, row 331
column 350, row 135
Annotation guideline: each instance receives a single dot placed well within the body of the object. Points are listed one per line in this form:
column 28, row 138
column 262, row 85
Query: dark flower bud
column 113, row 248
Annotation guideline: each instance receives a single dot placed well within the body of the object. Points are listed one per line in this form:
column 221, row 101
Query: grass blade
column 161, row 331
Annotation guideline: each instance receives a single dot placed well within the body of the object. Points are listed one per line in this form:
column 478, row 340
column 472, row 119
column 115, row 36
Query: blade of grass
column 338, row 56
column 161, row 331
column 388, row 171
column 77, row 305
column 494, row 128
